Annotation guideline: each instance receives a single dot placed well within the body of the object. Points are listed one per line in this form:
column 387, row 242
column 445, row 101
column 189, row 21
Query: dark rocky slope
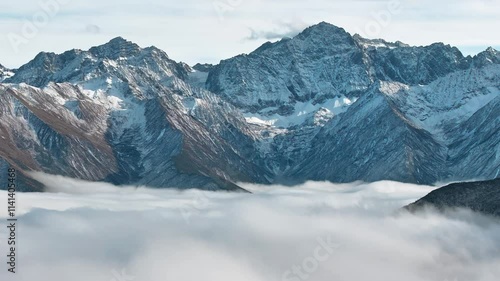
column 481, row 197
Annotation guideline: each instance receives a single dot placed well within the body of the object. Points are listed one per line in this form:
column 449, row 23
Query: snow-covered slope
column 324, row 62
column 446, row 102
column 125, row 115
column 447, row 130
column 323, row 105
column 371, row 142
column 280, row 75
column 388, row 110
column 5, row 73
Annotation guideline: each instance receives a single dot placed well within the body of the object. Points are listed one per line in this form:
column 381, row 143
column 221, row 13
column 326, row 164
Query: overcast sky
column 210, row 30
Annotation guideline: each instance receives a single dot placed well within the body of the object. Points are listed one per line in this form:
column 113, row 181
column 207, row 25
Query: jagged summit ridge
column 378, row 43
column 116, row 48
column 324, row 29
column 324, row 105
column 5, row 73
column 137, row 115
column 115, row 59
column 325, row 61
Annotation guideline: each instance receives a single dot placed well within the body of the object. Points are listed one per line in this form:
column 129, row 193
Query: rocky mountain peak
column 492, row 54
column 323, row 105
column 489, row 56
column 203, row 67
column 322, row 28
column 116, row 48
column 491, row 50
column 5, row 73
column 326, row 33
column 118, row 58
column 378, row 43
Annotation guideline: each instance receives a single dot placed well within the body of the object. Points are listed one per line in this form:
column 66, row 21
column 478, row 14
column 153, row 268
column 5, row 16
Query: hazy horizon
column 466, row 51
column 196, row 31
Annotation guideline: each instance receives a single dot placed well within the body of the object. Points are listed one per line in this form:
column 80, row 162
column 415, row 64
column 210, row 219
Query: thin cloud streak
column 279, row 31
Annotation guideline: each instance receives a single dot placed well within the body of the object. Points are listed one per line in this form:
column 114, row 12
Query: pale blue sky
column 210, row 30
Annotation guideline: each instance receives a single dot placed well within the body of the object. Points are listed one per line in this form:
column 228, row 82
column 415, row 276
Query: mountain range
column 325, row 106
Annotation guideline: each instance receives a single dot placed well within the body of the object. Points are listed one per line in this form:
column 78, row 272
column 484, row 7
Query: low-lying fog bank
column 316, row 231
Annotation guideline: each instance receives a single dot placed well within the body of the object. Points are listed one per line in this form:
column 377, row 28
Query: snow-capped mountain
column 122, row 114
column 5, row 73
column 389, row 110
column 324, row 105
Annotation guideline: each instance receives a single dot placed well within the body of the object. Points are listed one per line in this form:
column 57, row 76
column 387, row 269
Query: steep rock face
column 24, row 183
column 39, row 132
column 325, row 61
column 447, row 130
column 127, row 116
column 490, row 56
column 387, row 110
column 119, row 57
column 461, row 112
column 320, row 63
column 205, row 67
column 475, row 152
column 415, row 65
column 481, row 197
column 324, row 105
column 2, row 72
column 288, row 90
column 371, row 142
column 5, row 73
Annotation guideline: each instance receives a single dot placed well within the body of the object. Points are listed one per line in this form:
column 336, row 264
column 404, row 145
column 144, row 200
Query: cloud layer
column 317, row 231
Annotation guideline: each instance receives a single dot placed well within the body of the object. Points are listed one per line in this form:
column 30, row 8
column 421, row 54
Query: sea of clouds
column 316, row 231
